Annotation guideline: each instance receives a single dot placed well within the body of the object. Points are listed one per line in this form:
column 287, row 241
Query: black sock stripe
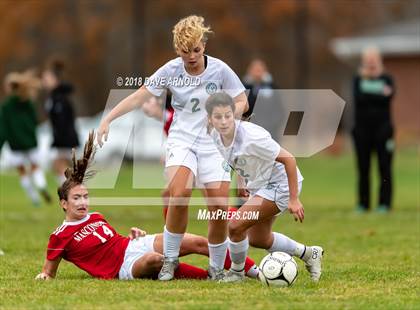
column 243, row 269
column 303, row 254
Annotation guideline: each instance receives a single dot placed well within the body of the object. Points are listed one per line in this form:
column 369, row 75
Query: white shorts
column 206, row 165
column 279, row 193
column 22, row 158
column 135, row 250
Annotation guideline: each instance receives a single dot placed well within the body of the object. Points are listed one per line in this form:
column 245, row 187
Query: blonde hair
column 188, row 32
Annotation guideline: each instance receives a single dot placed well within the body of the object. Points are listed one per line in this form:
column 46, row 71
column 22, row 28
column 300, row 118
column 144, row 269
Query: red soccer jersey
column 91, row 244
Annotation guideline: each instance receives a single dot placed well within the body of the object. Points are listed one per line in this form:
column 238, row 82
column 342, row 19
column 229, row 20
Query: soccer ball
column 278, row 269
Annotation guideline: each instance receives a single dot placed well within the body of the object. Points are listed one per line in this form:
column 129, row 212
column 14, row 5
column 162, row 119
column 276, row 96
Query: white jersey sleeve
column 231, row 82
column 259, row 143
column 156, row 83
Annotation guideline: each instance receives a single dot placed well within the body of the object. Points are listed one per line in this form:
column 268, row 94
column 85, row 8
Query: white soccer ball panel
column 281, row 256
column 290, row 271
column 277, row 283
column 272, row 269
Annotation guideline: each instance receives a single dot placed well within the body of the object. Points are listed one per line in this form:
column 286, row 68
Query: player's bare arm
column 295, row 206
column 241, row 105
column 135, row 100
column 49, row 270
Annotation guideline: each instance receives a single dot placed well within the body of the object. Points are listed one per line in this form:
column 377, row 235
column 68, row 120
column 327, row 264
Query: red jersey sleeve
column 55, row 247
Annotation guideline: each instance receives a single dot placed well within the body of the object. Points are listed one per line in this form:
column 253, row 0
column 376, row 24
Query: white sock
column 283, row 243
column 25, row 182
column 171, row 244
column 217, row 254
column 253, row 272
column 39, row 179
column 238, row 251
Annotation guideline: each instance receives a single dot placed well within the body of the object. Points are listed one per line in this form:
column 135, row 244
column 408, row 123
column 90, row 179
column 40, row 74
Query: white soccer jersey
column 189, row 95
column 252, row 154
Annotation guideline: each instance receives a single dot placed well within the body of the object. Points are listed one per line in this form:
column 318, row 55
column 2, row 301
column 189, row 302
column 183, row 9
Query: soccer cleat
column 216, row 274
column 167, row 272
column 360, row 209
column 233, row 276
column 383, row 209
column 313, row 263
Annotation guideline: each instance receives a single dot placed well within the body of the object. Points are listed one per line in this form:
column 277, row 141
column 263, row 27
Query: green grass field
column 371, row 262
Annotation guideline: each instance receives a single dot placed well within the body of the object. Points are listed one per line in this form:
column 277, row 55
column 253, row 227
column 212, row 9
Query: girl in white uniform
column 191, row 153
column 273, row 181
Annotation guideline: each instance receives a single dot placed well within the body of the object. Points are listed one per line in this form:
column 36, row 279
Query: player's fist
column 136, row 233
column 43, row 276
column 102, row 132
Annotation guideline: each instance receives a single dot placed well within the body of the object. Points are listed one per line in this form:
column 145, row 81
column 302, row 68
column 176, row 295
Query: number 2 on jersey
column 195, row 102
column 106, row 231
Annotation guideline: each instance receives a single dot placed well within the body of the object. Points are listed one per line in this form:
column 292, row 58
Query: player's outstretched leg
column 262, row 237
column 311, row 255
column 180, row 188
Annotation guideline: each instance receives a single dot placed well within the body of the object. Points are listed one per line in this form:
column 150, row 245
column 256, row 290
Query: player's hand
column 135, row 233
column 43, row 276
column 243, row 193
column 296, row 208
column 387, row 90
column 102, row 132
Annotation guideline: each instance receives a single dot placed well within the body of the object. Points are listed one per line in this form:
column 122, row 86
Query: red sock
column 186, row 271
column 232, row 209
column 248, row 262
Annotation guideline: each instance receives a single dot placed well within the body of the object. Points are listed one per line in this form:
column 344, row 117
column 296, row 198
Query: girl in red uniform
column 92, row 244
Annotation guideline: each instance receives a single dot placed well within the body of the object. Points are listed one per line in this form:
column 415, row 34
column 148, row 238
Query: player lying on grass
column 92, row 244
column 273, row 181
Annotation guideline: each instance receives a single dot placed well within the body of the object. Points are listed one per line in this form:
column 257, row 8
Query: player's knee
column 154, row 261
column 217, row 203
column 176, row 192
column 202, row 245
column 236, row 229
